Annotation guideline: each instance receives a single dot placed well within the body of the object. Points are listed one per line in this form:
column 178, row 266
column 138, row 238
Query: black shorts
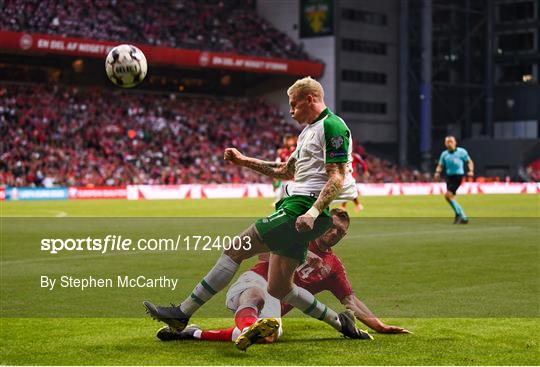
column 453, row 182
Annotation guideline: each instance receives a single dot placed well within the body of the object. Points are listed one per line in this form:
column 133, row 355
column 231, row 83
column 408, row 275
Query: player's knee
column 250, row 245
column 253, row 296
column 236, row 255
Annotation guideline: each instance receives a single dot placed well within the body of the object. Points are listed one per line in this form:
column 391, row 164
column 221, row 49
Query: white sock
column 216, row 279
column 308, row 304
column 236, row 333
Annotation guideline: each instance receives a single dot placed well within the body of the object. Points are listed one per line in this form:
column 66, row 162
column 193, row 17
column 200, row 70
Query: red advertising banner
column 180, row 192
column 2, row 194
column 34, row 43
column 97, row 193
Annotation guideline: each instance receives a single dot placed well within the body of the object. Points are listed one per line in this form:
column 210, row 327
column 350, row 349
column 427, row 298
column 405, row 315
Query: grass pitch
column 469, row 293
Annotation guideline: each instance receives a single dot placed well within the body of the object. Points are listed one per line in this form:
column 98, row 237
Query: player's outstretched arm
column 280, row 170
column 364, row 314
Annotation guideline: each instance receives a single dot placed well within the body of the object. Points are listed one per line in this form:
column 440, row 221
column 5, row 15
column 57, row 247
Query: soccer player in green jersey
column 453, row 161
column 319, row 167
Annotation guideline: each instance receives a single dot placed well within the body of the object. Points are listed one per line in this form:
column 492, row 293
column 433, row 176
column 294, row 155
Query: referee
column 453, row 160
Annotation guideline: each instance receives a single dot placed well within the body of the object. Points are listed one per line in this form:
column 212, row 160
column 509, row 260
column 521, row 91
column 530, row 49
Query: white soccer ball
column 126, row 66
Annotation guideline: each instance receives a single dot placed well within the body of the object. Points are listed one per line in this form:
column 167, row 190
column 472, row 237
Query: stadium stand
column 212, row 25
column 73, row 136
column 384, row 171
column 64, row 135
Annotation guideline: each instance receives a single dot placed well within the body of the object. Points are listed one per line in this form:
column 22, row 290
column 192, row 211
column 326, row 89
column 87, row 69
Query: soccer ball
column 126, row 66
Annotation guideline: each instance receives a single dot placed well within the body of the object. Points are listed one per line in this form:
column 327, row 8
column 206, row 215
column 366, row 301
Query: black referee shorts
column 453, row 182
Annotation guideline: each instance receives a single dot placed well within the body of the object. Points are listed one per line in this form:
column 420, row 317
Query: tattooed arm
column 283, row 170
column 334, row 185
column 332, row 188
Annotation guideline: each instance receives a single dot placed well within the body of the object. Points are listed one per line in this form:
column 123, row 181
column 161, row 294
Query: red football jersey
column 330, row 277
column 356, row 160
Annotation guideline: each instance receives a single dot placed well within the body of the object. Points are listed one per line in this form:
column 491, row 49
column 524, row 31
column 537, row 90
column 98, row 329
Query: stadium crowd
column 76, row 137
column 382, row 170
column 59, row 135
column 212, row 25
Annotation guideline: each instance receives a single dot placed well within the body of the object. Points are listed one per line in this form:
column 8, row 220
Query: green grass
column 470, row 293
column 396, row 206
column 305, row 342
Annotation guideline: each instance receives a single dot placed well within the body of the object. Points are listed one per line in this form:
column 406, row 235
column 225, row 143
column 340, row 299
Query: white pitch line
column 55, row 214
column 89, row 256
column 446, row 231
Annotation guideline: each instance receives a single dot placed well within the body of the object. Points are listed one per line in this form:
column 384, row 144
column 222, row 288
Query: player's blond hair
column 306, row 86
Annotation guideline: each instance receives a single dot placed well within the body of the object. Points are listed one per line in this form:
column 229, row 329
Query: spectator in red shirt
column 357, row 160
column 533, row 170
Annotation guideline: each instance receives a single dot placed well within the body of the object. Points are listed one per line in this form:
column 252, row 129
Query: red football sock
column 224, row 335
column 245, row 317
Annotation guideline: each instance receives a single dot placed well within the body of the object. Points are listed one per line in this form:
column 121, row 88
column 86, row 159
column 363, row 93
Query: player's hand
column 325, row 271
column 304, row 223
column 437, row 176
column 388, row 329
column 314, row 260
column 234, row 155
column 470, row 174
column 366, row 174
